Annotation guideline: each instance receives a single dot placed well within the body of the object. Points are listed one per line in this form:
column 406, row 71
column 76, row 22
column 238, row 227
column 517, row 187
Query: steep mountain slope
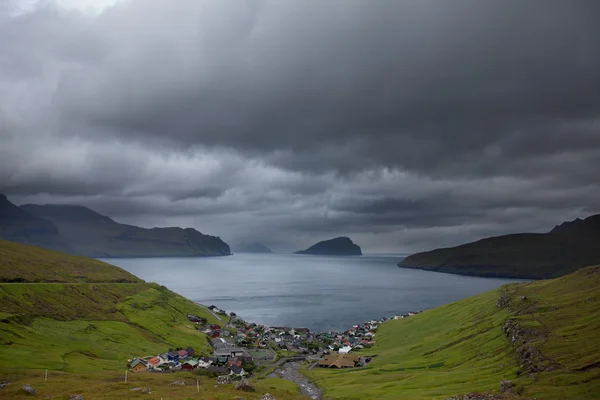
column 566, row 248
column 541, row 335
column 91, row 234
column 18, row 225
column 340, row 246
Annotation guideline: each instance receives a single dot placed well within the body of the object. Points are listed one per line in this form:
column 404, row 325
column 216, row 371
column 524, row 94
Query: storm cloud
column 404, row 124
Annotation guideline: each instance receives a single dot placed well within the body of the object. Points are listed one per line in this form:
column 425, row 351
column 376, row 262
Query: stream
column 290, row 372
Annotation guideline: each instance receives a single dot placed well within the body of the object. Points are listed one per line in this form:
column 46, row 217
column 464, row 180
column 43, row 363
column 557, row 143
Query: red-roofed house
column 154, row 362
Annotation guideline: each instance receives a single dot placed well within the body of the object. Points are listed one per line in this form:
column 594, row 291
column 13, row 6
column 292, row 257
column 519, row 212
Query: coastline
column 482, row 274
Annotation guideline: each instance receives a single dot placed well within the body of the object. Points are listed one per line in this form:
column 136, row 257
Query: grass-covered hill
column 41, row 265
column 77, row 314
column 563, row 250
column 79, row 230
column 544, row 336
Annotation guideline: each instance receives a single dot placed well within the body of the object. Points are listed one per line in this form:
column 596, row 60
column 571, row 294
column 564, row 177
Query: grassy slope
column 110, row 386
column 43, row 265
column 461, row 348
column 74, row 325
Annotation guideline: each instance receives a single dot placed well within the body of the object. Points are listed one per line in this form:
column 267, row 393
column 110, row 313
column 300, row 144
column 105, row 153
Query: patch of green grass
column 110, row 385
column 461, row 348
column 23, row 263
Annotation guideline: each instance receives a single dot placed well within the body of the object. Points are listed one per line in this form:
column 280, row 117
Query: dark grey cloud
column 405, row 124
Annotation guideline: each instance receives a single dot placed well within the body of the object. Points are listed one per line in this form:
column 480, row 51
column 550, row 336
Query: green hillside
column 41, row 265
column 78, row 314
column 566, row 248
column 550, row 349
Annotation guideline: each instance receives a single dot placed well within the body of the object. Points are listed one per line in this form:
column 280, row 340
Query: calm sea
column 317, row 292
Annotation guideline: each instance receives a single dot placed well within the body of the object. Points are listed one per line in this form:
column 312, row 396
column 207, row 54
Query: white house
column 345, row 350
column 204, row 362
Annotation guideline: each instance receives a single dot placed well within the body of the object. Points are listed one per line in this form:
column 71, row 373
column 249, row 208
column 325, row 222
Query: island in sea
column 340, row 246
column 252, row 247
column 564, row 249
column 79, row 230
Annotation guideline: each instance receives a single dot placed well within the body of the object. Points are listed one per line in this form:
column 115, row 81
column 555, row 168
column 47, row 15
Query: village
column 238, row 347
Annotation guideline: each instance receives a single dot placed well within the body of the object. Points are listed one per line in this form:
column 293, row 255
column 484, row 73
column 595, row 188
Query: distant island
column 252, row 247
column 340, row 246
column 564, row 249
column 79, row 230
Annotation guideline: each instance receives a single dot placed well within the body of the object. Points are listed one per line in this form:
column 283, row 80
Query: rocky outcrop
column 244, row 386
column 145, row 390
column 28, row 389
column 527, row 343
column 224, row 380
column 341, row 246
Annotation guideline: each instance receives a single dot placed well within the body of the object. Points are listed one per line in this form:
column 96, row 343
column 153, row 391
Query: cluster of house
column 230, row 344
column 226, row 361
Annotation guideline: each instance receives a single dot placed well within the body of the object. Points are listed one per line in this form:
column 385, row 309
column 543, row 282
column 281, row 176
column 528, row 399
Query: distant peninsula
column 79, row 230
column 340, row 246
column 564, row 249
column 253, row 247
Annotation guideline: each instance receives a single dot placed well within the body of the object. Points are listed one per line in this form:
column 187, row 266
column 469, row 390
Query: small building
column 190, row 351
column 154, row 362
column 182, row 353
column 234, row 361
column 138, row 365
column 345, row 350
column 237, row 371
column 190, row 364
column 339, row 361
column 204, row 362
column 173, row 356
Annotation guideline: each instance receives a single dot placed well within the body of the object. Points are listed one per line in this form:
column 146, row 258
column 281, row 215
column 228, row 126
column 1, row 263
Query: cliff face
column 82, row 231
column 341, row 246
column 566, row 248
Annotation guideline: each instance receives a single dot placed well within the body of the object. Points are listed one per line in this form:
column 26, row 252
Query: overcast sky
column 405, row 125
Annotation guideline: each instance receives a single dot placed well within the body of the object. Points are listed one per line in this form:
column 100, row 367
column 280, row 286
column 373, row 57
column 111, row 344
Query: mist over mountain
column 82, row 231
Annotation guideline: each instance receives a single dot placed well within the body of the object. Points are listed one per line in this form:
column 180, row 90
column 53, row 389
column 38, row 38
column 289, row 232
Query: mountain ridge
column 566, row 248
column 82, row 231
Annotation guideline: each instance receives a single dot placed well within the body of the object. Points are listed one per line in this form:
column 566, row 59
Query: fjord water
column 317, row 292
